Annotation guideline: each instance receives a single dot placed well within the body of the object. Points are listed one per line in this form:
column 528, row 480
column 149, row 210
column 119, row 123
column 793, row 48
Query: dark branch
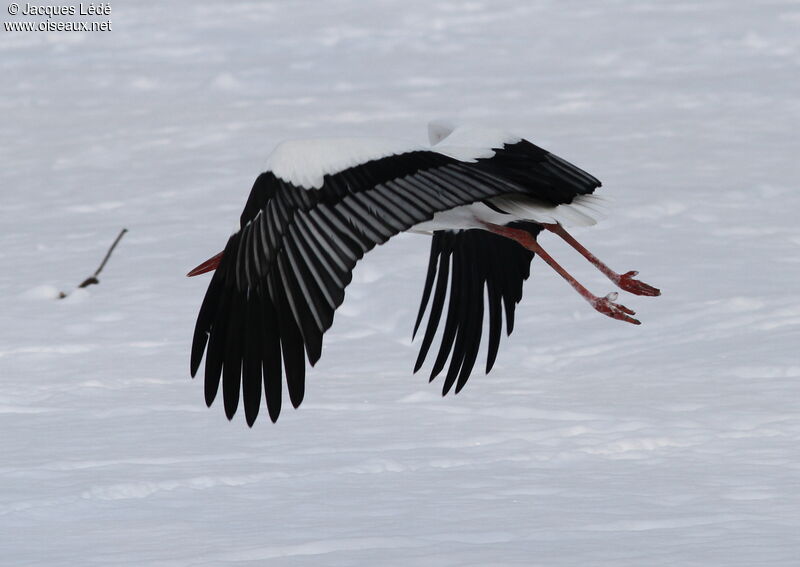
column 93, row 278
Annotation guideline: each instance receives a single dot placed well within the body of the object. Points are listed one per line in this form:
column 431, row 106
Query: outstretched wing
column 478, row 264
column 283, row 274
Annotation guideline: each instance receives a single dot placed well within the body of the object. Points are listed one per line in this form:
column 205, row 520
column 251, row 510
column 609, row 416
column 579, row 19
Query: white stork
column 484, row 195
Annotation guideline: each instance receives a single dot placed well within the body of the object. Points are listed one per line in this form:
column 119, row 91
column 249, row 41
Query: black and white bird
column 484, row 195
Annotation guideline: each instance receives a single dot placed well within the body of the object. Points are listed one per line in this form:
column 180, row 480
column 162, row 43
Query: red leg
column 604, row 305
column 623, row 281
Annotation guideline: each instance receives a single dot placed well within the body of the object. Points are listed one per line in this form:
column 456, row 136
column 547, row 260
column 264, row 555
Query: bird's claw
column 606, row 306
column 627, row 283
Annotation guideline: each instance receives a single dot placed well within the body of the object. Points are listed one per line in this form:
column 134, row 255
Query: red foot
column 627, row 283
column 606, row 306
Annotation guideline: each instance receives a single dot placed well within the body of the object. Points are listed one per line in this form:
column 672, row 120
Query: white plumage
column 305, row 163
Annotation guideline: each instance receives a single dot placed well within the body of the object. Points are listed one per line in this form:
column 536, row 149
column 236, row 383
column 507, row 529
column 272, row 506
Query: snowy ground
column 591, row 443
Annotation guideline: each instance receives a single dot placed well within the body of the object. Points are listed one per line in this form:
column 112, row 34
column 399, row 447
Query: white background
column 592, row 442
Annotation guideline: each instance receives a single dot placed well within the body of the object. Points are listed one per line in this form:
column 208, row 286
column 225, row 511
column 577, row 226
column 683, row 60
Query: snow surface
column 591, row 443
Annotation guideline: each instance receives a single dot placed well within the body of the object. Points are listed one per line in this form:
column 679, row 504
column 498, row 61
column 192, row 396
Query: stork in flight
column 484, row 196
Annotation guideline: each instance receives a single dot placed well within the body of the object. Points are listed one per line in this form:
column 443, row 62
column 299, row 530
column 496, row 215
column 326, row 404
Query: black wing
column 478, row 264
column 476, row 260
column 545, row 176
column 283, row 274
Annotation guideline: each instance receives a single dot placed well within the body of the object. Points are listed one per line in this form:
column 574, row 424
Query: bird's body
column 483, row 194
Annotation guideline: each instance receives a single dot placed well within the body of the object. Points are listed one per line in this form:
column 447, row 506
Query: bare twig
column 93, row 278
